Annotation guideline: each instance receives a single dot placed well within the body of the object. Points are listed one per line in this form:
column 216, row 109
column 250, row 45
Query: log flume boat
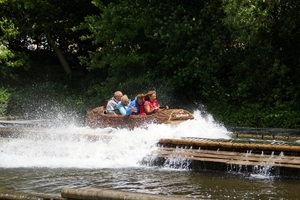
column 97, row 119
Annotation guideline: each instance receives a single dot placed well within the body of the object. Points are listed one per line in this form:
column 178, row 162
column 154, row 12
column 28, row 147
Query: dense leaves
column 4, row 97
column 268, row 63
column 29, row 28
column 238, row 58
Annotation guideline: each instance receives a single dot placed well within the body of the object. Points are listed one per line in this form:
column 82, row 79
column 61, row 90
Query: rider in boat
column 151, row 104
column 136, row 107
column 123, row 104
column 112, row 105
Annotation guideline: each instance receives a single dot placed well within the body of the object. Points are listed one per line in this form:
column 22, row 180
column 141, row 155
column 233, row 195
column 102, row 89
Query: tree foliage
column 229, row 55
column 30, row 27
column 238, row 58
column 268, row 62
column 152, row 42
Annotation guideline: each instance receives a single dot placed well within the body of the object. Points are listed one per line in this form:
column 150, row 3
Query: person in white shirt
column 112, row 105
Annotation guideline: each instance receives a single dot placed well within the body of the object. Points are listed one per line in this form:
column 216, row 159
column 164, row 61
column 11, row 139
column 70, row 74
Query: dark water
column 185, row 183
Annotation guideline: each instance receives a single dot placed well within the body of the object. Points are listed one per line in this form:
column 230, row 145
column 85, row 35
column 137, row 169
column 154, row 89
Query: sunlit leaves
column 5, row 54
column 247, row 19
column 8, row 29
column 13, row 59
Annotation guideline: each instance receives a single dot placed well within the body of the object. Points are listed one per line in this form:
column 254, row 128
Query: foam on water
column 80, row 147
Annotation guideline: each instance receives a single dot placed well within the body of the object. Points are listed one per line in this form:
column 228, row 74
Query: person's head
column 118, row 95
column 125, row 100
column 140, row 99
column 151, row 96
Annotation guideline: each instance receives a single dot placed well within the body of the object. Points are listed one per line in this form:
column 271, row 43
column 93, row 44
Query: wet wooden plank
column 97, row 193
column 229, row 157
column 230, row 145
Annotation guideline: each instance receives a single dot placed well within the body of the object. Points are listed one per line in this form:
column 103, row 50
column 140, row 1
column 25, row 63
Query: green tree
column 32, row 27
column 266, row 64
column 142, row 44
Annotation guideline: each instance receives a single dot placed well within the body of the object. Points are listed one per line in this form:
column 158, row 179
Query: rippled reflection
column 205, row 184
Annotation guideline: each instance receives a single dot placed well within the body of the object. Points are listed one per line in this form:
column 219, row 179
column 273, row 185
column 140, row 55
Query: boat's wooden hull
column 97, row 119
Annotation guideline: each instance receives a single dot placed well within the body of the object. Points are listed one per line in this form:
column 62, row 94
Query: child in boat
column 123, row 104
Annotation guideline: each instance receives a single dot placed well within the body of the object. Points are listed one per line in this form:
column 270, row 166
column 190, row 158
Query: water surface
column 45, row 160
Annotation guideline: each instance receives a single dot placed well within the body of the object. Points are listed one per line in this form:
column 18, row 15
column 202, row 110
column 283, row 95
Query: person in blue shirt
column 136, row 107
column 123, row 104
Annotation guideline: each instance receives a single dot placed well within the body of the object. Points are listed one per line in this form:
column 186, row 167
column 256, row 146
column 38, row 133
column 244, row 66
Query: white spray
column 83, row 147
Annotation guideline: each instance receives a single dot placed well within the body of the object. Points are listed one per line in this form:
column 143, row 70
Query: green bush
column 4, row 99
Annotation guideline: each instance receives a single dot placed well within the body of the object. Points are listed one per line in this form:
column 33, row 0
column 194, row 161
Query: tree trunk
column 59, row 54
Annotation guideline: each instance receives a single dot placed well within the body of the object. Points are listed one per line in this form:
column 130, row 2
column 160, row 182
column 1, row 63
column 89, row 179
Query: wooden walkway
column 287, row 156
column 228, row 157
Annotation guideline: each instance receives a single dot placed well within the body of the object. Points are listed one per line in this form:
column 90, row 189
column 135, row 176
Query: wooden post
column 95, row 193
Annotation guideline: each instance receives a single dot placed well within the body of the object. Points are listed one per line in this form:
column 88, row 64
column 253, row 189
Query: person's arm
column 110, row 108
column 156, row 104
column 160, row 108
column 122, row 109
column 164, row 108
column 129, row 108
column 148, row 110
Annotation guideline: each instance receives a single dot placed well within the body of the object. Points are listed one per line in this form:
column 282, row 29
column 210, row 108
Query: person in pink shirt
column 151, row 105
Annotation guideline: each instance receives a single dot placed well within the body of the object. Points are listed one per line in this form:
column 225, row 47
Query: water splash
column 70, row 146
column 262, row 172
